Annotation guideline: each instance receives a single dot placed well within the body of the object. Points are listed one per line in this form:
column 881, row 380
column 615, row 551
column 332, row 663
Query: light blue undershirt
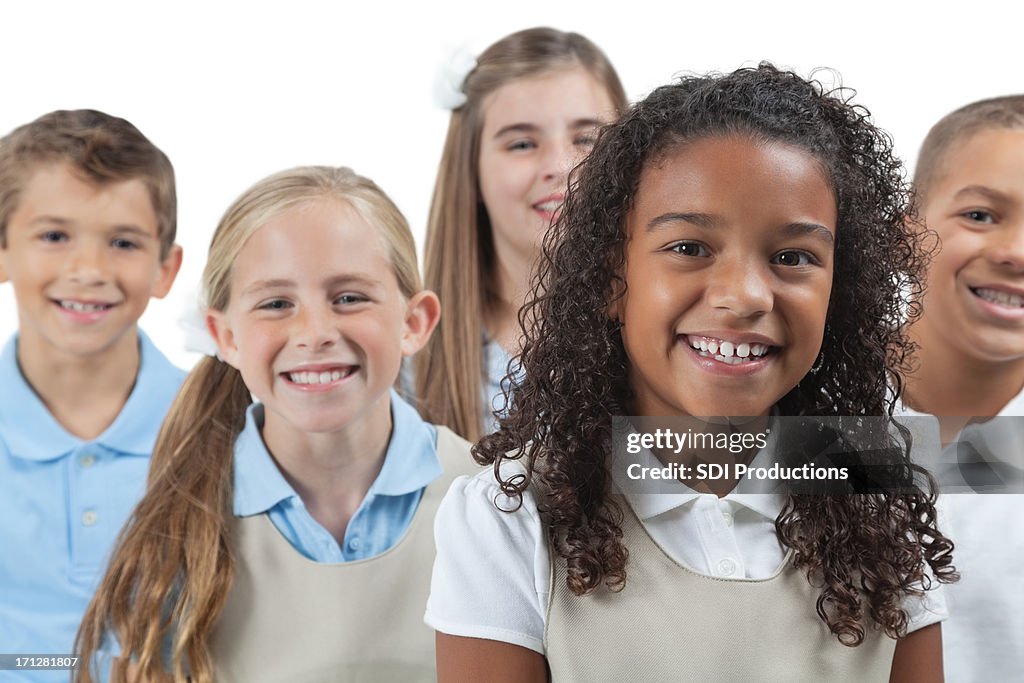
column 63, row 501
column 410, row 463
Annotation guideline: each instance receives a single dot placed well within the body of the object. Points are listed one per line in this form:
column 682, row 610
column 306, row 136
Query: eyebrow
column 50, row 219
column 994, row 195
column 284, row 283
column 708, row 222
column 134, row 230
column 533, row 128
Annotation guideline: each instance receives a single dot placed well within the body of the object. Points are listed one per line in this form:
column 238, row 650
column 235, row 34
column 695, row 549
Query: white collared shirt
column 492, row 570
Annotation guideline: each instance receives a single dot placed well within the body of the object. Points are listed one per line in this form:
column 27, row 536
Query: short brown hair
column 998, row 112
column 104, row 148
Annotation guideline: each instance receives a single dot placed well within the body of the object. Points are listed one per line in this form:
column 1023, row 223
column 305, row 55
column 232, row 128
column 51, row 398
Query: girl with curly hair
column 523, row 113
column 736, row 245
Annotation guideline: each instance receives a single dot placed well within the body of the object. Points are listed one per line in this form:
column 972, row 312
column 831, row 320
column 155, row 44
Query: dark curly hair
column 867, row 550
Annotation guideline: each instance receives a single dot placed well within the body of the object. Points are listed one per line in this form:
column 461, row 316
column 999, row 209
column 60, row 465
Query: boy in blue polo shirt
column 87, row 224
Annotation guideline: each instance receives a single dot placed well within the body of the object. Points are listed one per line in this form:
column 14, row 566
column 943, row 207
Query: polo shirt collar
column 410, row 462
column 32, row 433
column 758, row 497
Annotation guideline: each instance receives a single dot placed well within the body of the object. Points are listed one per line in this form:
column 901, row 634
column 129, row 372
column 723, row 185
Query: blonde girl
column 532, row 105
column 289, row 539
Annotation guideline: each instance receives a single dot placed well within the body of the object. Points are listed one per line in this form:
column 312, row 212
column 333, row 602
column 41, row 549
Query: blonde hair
column 459, row 249
column 173, row 568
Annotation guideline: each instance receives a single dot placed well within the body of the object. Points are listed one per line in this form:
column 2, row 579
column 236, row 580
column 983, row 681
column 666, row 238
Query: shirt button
column 726, row 567
column 88, row 460
column 89, row 517
column 354, row 543
column 727, row 518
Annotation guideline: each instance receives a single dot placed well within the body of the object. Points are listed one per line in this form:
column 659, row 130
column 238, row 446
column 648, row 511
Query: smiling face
column 316, row 322
column 728, row 271
column 84, row 260
column 975, row 297
column 535, row 129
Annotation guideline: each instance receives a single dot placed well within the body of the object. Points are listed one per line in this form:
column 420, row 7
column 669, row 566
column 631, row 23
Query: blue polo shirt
column 410, row 463
column 63, row 501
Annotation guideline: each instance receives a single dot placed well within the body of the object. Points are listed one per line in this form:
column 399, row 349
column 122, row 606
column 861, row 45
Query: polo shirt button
column 89, row 517
column 354, row 543
column 88, row 460
column 726, row 567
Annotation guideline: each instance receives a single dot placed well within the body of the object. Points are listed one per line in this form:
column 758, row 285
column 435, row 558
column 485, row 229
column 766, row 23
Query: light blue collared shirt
column 410, row 464
column 63, row 501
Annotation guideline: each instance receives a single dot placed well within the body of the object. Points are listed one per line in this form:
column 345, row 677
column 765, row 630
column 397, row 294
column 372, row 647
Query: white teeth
column 317, row 377
column 728, row 352
column 998, row 297
column 549, row 207
column 79, row 307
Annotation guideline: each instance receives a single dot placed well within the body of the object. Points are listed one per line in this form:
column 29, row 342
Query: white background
column 234, row 92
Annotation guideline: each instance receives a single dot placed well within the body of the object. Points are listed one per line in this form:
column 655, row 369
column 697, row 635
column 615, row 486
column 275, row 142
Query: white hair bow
column 451, row 77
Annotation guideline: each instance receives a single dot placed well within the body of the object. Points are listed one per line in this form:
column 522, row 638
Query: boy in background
column 969, row 183
column 87, row 225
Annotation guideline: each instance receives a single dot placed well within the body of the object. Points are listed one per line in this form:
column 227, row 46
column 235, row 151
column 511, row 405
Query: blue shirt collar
column 410, row 462
column 32, row 433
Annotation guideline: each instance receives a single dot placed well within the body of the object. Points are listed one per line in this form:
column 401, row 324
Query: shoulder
column 454, row 452
column 492, row 570
column 477, row 500
column 155, row 364
column 928, row 608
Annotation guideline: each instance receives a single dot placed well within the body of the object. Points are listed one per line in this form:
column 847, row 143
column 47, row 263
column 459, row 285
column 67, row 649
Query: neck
column 512, row 283
column 84, row 393
column 333, row 471
column 955, row 386
column 720, row 463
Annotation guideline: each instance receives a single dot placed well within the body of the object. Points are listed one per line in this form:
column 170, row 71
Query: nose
column 559, row 158
column 1006, row 247
column 740, row 287
column 88, row 264
column 316, row 328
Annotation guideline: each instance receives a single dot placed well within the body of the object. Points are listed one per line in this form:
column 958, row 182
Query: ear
column 615, row 307
column 220, row 329
column 421, row 316
column 3, row 259
column 169, row 268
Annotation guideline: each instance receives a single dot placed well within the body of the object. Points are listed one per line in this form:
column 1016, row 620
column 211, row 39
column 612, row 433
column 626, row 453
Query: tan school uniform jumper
column 290, row 619
column 672, row 624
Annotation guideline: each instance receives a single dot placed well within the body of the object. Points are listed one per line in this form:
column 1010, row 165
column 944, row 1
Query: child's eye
column 587, row 140
column 979, row 216
column 121, row 243
column 521, row 145
column 689, row 249
column 275, row 305
column 793, row 257
column 54, row 236
column 349, row 299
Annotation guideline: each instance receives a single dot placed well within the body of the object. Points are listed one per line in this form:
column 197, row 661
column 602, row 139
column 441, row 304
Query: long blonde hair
column 459, row 248
column 173, row 567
